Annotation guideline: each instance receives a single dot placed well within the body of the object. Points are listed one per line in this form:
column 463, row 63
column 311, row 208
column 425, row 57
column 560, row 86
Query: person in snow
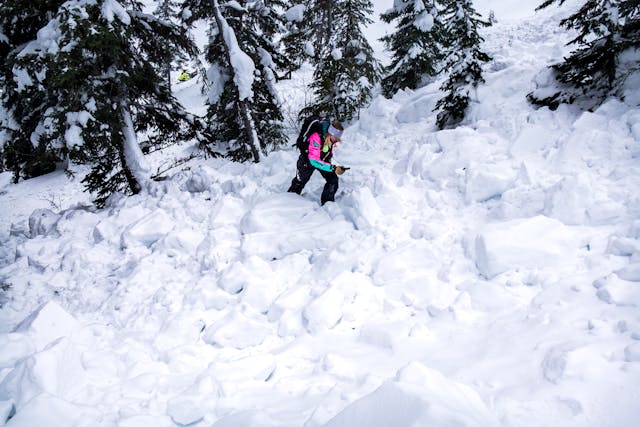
column 317, row 156
column 184, row 76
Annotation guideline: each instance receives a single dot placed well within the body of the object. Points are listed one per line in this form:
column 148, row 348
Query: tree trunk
column 132, row 157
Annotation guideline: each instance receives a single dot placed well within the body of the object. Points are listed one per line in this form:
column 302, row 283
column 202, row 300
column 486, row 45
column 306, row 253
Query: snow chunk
column 50, row 411
column 632, row 352
column 325, row 311
column 48, row 323
column 419, row 397
column 615, row 290
column 42, row 222
column 364, row 210
column 236, row 330
column 309, row 49
column 22, row 78
column 218, row 79
column 245, row 419
column 295, row 13
column 14, row 347
column 538, row 242
column 147, row 230
column 424, row 22
column 630, row 272
column 185, row 410
column 111, row 9
column 243, row 66
column 488, row 181
column 7, row 410
column 283, row 224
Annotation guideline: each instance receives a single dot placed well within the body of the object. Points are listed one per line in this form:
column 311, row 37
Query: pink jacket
column 318, row 158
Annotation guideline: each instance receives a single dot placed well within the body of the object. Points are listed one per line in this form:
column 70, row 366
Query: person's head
column 335, row 131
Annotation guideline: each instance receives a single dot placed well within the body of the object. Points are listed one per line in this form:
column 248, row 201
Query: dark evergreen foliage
column 592, row 72
column 256, row 26
column 463, row 63
column 19, row 24
column 170, row 12
column 346, row 71
column 416, row 45
column 295, row 38
column 99, row 71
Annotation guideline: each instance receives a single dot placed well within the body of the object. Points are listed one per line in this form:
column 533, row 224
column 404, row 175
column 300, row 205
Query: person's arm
column 315, row 150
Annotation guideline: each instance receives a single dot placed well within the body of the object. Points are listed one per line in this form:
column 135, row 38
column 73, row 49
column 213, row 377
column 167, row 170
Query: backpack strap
column 306, row 135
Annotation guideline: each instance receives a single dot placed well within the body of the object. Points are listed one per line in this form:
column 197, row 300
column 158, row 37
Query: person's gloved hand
column 340, row 170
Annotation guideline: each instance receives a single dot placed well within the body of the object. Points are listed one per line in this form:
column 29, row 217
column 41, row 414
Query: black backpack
column 311, row 125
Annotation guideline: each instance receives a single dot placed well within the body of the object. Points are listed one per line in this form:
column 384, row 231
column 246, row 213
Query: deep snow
column 482, row 276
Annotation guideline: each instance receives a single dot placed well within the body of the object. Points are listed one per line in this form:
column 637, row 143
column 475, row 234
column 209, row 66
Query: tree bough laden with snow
column 244, row 107
column 99, row 69
column 347, row 70
column 19, row 24
column 464, row 61
column 416, row 45
column 607, row 29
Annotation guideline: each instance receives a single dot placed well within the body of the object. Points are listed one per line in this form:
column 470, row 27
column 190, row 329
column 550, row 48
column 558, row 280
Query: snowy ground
column 482, row 276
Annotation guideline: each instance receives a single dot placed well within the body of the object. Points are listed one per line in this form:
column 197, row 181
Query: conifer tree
column 295, row 39
column 244, row 107
column 463, row 63
column 320, row 21
column 19, row 24
column 169, row 11
column 347, row 70
column 99, row 69
column 416, row 45
column 606, row 28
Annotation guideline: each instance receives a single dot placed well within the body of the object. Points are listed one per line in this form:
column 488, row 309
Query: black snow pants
column 305, row 170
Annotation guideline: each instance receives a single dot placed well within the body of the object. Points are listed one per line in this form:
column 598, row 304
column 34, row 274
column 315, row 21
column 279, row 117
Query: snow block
column 488, row 181
column 7, row 410
column 42, row 222
column 237, row 331
column 245, row 419
column 48, row 323
column 147, row 230
column 532, row 243
column 50, row 411
column 283, row 224
column 185, row 410
column 419, row 397
column 325, row 311
column 615, row 290
column 15, row 346
column 632, row 352
column 364, row 211
column 631, row 272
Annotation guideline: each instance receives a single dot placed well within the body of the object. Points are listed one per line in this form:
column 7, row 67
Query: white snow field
column 483, row 276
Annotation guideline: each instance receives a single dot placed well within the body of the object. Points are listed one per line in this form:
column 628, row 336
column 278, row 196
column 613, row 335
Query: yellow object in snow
column 184, row 76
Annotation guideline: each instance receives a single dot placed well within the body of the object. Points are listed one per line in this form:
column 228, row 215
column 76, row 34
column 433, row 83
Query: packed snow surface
column 487, row 275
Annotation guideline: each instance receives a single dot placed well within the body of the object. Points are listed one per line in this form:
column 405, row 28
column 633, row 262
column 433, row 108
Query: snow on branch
column 243, row 66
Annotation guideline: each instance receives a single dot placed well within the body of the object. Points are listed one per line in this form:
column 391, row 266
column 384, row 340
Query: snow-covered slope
column 482, row 276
